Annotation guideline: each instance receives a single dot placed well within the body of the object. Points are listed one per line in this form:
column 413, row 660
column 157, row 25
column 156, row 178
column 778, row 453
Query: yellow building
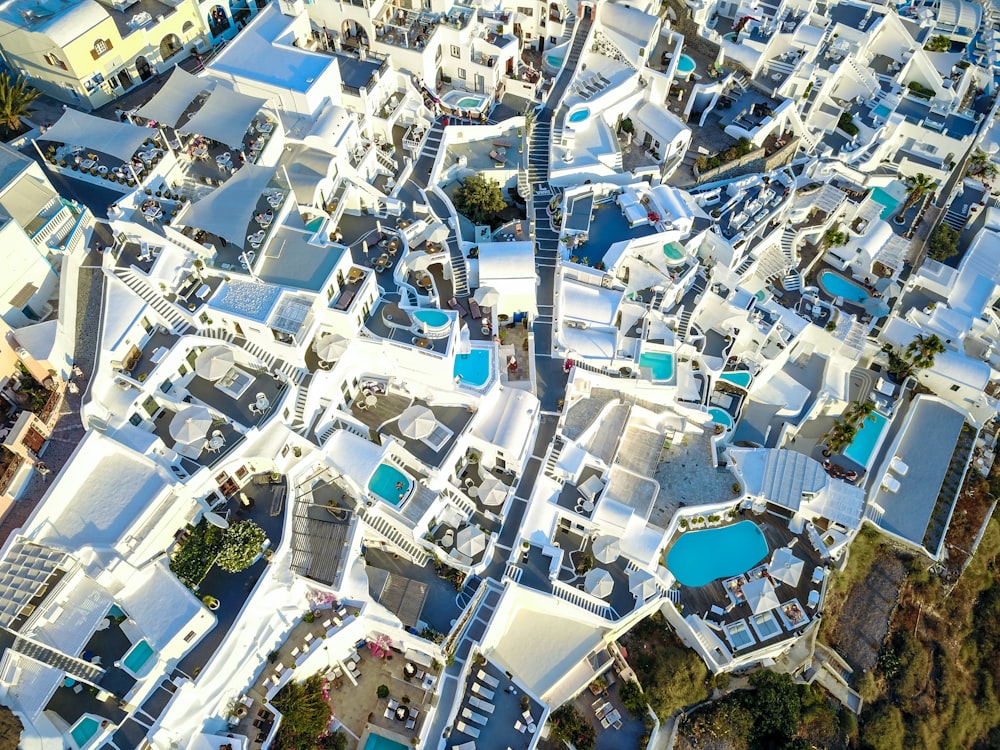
column 87, row 53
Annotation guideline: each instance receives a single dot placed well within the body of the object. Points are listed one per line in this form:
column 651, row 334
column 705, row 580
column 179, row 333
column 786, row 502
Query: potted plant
column 211, row 602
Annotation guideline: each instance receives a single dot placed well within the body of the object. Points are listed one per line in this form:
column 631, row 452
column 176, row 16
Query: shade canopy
column 492, row 491
column 591, row 488
column 785, row 566
column 214, row 362
column 331, row 347
column 118, row 139
column 641, row 584
column 216, row 520
column 173, row 99
column 877, row 307
column 417, row 422
column 225, row 116
column 486, row 296
column 760, row 595
column 599, row 583
column 226, row 211
column 470, row 541
column 190, row 424
column 606, row 548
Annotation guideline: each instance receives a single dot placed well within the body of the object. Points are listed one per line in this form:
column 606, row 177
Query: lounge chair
column 890, row 483
column 484, row 706
column 411, row 724
column 473, row 716
column 519, row 726
column 388, row 713
column 899, row 466
column 480, row 690
column 470, row 745
column 455, row 305
column 474, row 309
column 461, row 726
column 493, row 682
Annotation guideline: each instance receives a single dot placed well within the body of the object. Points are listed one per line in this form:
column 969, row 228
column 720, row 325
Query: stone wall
column 753, row 163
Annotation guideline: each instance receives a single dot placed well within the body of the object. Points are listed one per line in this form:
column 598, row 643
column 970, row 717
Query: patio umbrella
column 606, row 549
column 785, row 566
column 331, row 346
column 599, row 583
column 760, row 595
column 641, row 584
column 417, row 422
column 470, row 540
column 591, row 488
column 214, row 362
column 190, row 424
column 438, row 233
column 876, row 307
column 486, row 296
column 492, row 491
column 216, row 520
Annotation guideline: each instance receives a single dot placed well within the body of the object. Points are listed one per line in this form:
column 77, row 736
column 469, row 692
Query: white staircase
column 388, row 531
column 299, row 423
column 683, row 326
column 584, row 601
column 173, row 317
column 553, row 458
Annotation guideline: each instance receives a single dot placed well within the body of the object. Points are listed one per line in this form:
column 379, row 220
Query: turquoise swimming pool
column 685, row 65
column 661, row 363
column 84, row 730
column 116, row 611
column 556, row 60
column 137, row 656
column 673, row 252
column 721, row 416
column 432, row 318
column 378, row 742
column 838, row 286
column 887, row 199
column 579, row 115
column 473, row 368
column 700, row 557
column 867, row 440
column 731, row 37
column 390, row 484
column 881, row 111
column 737, row 377
column 315, row 224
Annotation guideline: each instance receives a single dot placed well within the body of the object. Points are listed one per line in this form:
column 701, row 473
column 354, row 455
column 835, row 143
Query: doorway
column 142, row 68
column 125, row 79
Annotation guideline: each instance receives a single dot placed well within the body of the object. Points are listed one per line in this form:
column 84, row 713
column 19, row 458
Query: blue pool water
column 737, row 377
column 579, row 115
column 700, row 557
column 882, row 111
column 378, row 742
column 137, row 656
column 685, row 65
column 473, row 368
column 116, row 611
column 84, row 730
column 432, row 318
column 721, row 416
column 866, row 441
column 555, row 60
column 385, row 483
column 315, row 224
column 731, row 37
column 838, row 286
column 661, row 363
column 883, row 196
column 673, row 253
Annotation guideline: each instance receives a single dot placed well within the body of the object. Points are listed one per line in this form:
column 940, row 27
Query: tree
column 885, row 729
column 10, row 729
column 382, row 691
column 939, row 43
column 861, row 411
column 529, row 119
column 480, row 199
column 917, row 186
column 240, row 546
column 922, row 349
column 16, row 98
column 833, row 237
column 335, row 741
column 775, row 706
column 569, row 725
column 305, row 714
column 943, row 243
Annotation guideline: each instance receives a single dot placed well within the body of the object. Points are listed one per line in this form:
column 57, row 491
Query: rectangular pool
column 473, row 369
column 867, row 440
column 84, row 730
column 661, row 363
column 891, row 203
column 378, row 742
column 390, row 484
column 137, row 656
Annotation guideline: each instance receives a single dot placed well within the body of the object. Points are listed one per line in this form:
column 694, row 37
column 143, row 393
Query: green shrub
column 846, row 123
column 195, row 558
column 305, row 714
column 241, row 544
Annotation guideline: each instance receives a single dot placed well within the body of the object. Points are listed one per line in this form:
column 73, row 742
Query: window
column 456, row 51
column 54, row 61
column 526, row 11
column 189, row 637
column 101, row 46
column 955, row 387
column 461, row 73
column 438, row 55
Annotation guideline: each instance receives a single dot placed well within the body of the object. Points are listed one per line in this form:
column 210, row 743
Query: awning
column 98, row 134
column 225, row 117
column 170, row 102
column 226, row 211
column 28, row 200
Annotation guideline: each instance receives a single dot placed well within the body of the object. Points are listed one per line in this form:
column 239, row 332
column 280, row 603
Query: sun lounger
column 480, row 690
column 461, row 726
column 455, row 305
column 411, row 724
column 519, row 726
column 899, row 466
column 474, row 310
column 470, row 745
column 890, row 483
column 493, row 682
column 388, row 713
column 484, row 706
column 473, row 717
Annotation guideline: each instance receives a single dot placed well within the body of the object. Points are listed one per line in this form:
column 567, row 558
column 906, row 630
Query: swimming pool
column 685, row 65
column 700, row 557
column 867, row 440
column 473, row 369
column 737, row 377
column 839, row 286
column 881, row 111
column 385, row 483
column 315, row 224
column 433, row 321
column 579, row 115
column 721, row 416
column 137, row 657
column 116, row 611
column 555, row 59
column 732, row 37
column 661, row 363
column 84, row 730
column 378, row 742
column 465, row 100
column 673, row 252
column 887, row 199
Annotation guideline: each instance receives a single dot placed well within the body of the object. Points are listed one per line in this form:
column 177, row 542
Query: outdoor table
column 410, row 669
column 88, row 163
column 424, row 343
column 401, row 713
column 424, row 282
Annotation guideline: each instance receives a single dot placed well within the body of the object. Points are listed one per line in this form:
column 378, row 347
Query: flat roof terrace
column 291, row 260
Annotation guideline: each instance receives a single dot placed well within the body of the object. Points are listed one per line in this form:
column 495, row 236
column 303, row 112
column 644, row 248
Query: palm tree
column 529, row 118
column 922, row 350
column 16, row 98
column 917, row 186
column 863, row 411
